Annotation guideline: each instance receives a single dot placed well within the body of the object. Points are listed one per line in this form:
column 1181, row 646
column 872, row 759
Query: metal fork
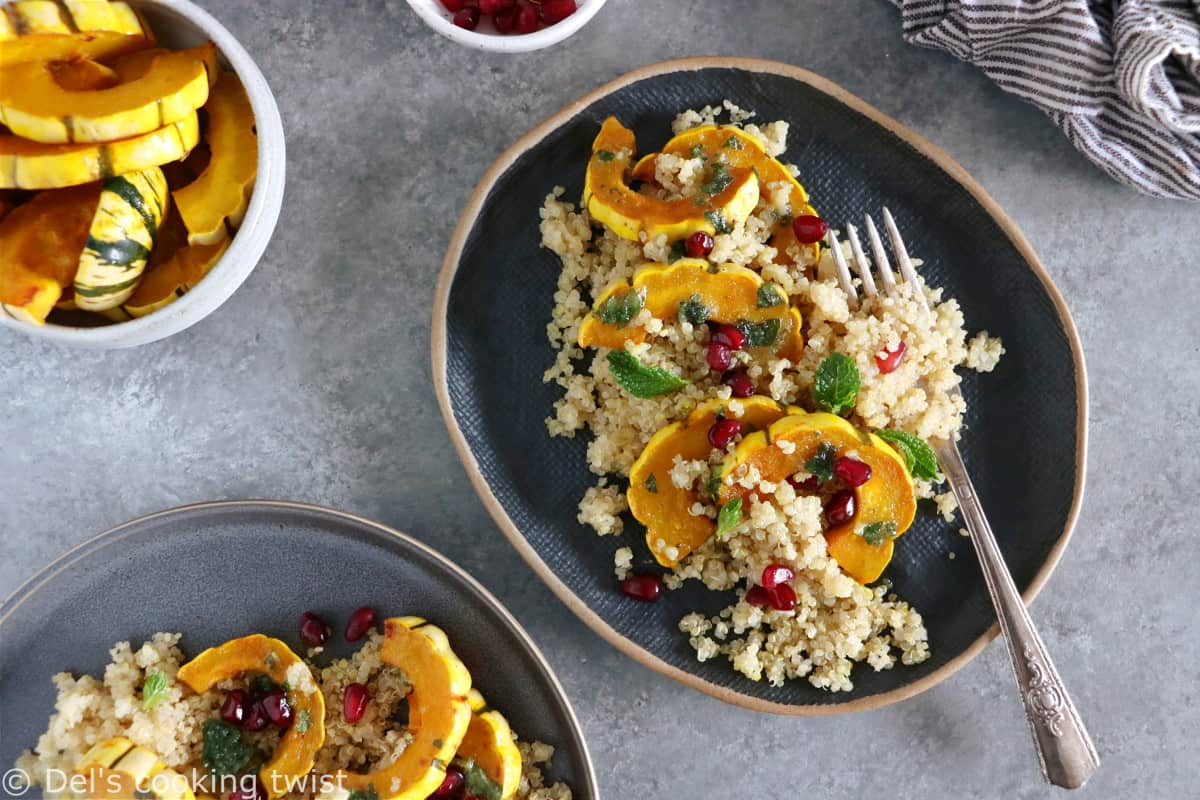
column 1064, row 749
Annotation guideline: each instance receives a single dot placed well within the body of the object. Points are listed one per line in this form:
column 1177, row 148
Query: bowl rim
column 439, row 355
column 246, row 247
column 113, row 536
column 433, row 14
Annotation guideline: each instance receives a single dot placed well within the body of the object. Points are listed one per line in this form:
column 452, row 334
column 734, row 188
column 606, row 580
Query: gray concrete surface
column 312, row 383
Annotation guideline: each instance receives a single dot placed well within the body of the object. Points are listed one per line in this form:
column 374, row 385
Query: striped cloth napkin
column 1120, row 77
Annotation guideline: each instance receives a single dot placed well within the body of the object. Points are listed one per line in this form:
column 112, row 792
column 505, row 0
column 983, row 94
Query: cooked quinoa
column 837, row 621
column 89, row 710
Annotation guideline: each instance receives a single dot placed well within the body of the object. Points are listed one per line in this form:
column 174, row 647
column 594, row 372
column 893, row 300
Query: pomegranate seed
column 253, row 791
column 783, row 597
column 720, row 357
column 527, row 19
column 452, row 785
column 277, row 709
column 454, row 6
column 313, row 630
column 774, row 575
column 646, row 587
column 233, row 710
column 852, row 471
column 723, row 432
column 256, row 718
column 840, row 508
column 493, row 7
column 809, row 228
column 360, row 622
column 729, row 336
column 506, row 21
column 699, row 244
column 893, row 358
column 555, row 11
column 354, row 702
column 468, row 18
column 810, row 484
column 757, row 596
column 738, row 382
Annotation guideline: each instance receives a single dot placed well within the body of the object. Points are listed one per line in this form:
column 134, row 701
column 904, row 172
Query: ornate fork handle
column 1064, row 749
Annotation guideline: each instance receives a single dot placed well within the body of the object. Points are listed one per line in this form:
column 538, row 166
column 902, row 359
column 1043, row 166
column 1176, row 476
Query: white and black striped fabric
column 1120, row 77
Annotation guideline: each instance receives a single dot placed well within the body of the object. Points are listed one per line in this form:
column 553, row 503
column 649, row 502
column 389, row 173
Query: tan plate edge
column 940, row 157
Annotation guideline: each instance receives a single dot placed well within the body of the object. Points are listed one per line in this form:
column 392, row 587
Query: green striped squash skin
column 131, row 208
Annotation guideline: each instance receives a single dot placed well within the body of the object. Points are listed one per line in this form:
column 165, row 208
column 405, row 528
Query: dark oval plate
column 198, row 570
column 1027, row 421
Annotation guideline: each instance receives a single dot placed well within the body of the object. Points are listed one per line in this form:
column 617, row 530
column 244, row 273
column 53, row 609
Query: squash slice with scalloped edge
column 37, row 30
column 116, row 769
column 489, row 742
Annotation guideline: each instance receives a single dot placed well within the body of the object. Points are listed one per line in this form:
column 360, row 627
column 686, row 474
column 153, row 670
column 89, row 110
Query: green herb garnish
column 718, row 221
column 835, row 386
column 363, row 794
column 678, row 251
column 478, row 782
column 713, row 486
column 770, row 295
column 734, row 143
column 154, row 690
column 759, row 334
column 640, row 380
column 694, row 311
column 918, row 455
column 620, row 308
column 262, row 684
column 223, row 752
column 821, row 464
column 698, row 152
column 718, row 180
column 876, row 533
column 303, row 721
column 605, row 155
column 652, row 484
column 729, row 517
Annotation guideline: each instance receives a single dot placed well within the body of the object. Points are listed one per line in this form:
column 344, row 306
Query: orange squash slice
column 39, row 30
column 490, row 744
column 116, row 769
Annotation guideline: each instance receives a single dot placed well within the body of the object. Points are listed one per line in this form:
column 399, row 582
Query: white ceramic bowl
column 180, row 23
column 486, row 37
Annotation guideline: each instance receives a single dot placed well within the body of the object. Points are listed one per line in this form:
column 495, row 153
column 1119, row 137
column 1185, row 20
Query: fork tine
column 843, row 271
column 881, row 260
column 861, row 265
column 906, row 265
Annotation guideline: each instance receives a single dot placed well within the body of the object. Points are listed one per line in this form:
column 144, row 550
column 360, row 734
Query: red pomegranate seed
column 699, row 244
column 774, row 575
column 720, row 357
column 783, row 597
column 646, row 587
column 892, row 360
column 454, row 6
column 852, row 471
column 256, row 718
column 527, row 19
column 452, row 786
column 810, row 484
column 360, row 622
column 277, row 709
column 555, row 11
column 313, row 630
column 757, row 596
column 729, row 336
column 354, row 702
column 840, row 508
column 468, row 18
column 723, row 432
column 506, row 21
column 253, row 791
column 233, row 709
column 739, row 383
column 809, row 228
column 492, row 7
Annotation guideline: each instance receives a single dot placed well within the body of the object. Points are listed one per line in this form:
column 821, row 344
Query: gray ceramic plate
column 1026, row 438
column 219, row 570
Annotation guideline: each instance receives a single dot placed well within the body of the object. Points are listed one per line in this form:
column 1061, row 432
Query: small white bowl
column 180, row 23
column 486, row 37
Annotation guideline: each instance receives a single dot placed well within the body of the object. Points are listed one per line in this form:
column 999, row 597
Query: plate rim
column 943, row 160
column 29, row 588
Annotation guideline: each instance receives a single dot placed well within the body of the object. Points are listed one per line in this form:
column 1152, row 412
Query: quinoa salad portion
column 768, row 436
column 252, row 720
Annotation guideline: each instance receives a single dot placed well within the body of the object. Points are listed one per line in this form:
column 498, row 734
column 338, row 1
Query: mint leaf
column 303, row 721
column 605, row 155
column 876, row 533
column 652, row 484
column 712, row 486
column 478, row 783
column 698, row 152
column 759, row 334
column 770, row 295
column 718, row 221
column 821, row 464
column 154, row 690
column 734, row 143
column 363, row 794
column 718, row 180
column 620, row 308
column 678, row 251
column 729, row 517
column 640, row 380
column 835, row 386
column 918, row 455
column 223, row 751
column 694, row 311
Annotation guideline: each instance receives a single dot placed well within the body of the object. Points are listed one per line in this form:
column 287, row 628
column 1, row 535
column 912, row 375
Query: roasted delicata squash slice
column 737, row 149
column 84, row 75
column 40, row 243
column 32, row 165
column 490, row 746
column 116, row 769
column 107, row 15
column 219, row 196
column 701, row 292
column 297, row 749
column 47, row 31
column 121, row 238
column 672, row 531
column 33, row 105
column 886, row 500
column 438, row 712
column 38, row 16
column 728, row 198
